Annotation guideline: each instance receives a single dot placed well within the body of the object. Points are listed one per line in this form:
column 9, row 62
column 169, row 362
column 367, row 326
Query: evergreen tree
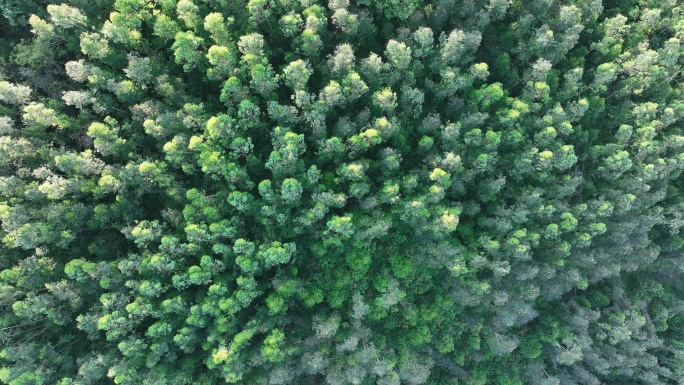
column 341, row 192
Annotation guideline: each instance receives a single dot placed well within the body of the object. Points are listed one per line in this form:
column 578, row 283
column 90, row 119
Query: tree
column 335, row 192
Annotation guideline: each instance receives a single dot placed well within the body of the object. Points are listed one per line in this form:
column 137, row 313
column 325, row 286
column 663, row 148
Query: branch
column 444, row 362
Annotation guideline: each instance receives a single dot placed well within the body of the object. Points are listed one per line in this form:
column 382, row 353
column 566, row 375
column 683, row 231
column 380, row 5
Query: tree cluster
column 341, row 192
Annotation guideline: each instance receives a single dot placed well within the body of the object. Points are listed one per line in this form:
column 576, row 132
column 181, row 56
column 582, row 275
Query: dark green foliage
column 400, row 9
column 16, row 12
column 341, row 192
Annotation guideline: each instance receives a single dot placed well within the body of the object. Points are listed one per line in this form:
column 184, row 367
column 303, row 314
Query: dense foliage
column 341, row 192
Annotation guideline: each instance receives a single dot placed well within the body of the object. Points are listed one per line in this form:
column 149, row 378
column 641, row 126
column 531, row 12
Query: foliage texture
column 344, row 192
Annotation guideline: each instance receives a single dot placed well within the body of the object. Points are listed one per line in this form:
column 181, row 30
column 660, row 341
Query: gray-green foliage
column 342, row 192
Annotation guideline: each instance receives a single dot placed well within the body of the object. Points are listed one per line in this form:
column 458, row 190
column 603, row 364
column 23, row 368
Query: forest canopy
column 341, row 192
